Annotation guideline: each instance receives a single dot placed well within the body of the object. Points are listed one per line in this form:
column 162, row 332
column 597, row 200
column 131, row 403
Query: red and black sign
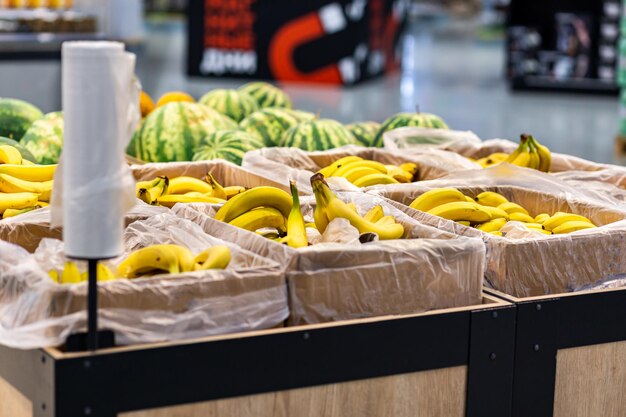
column 329, row 41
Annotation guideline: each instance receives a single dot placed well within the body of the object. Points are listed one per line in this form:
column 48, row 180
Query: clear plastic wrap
column 423, row 141
column 525, row 263
column 35, row 311
column 430, row 269
column 282, row 164
column 609, row 182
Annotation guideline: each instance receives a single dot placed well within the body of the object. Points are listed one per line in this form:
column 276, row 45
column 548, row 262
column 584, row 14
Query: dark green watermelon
column 16, row 116
column 230, row 145
column 364, row 132
column 267, row 95
column 318, row 135
column 44, row 139
column 270, row 123
column 425, row 120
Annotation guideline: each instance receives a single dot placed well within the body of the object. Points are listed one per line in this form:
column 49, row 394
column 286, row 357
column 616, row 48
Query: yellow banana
column 491, row 199
column 17, row 201
column 9, row 184
column 70, row 274
column 14, row 212
column 146, row 184
column 10, row 155
column 534, row 226
column 545, row 232
column 218, row 190
column 151, row 260
column 433, row 198
column 103, row 274
column 370, row 164
column 38, row 173
column 374, row 179
column 545, row 156
column 541, row 218
column 499, row 156
column 493, row 225
column 375, row 214
column 523, row 159
column 410, row 167
column 330, row 169
column 260, row 218
column 353, row 207
column 183, row 185
column 399, row 174
column 464, row 223
column 27, row 162
column 233, row 190
column 358, row 172
column 469, row 199
column 386, row 220
column 255, row 197
column 497, row 213
column 170, row 199
column 560, row 218
column 150, row 195
column 513, row 208
column 215, row 257
column 319, row 215
column 296, row 230
column 472, row 212
column 185, row 258
column 572, row 226
column 54, row 275
column 535, row 160
column 521, row 217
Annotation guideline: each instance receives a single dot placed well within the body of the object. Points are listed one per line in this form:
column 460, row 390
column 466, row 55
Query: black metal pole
column 92, row 305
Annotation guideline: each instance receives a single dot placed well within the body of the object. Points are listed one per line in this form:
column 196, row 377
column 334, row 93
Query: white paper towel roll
column 93, row 186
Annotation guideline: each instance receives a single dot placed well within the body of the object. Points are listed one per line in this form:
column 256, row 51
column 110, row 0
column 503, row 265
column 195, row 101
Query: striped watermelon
column 16, row 116
column 267, row 95
column 270, row 123
column 364, row 132
column 44, row 139
column 425, row 120
column 172, row 132
column 25, row 153
column 234, row 104
column 318, row 135
column 230, row 145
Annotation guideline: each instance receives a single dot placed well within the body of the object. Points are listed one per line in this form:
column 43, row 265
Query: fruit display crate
column 570, row 354
column 455, row 362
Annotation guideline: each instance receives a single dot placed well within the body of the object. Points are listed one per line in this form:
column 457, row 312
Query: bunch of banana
column 329, row 207
column 531, row 154
column 24, row 186
column 167, row 192
column 364, row 173
column 72, row 275
column 172, row 259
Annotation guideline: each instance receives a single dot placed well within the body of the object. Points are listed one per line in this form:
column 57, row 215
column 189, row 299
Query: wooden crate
column 446, row 363
column 570, row 358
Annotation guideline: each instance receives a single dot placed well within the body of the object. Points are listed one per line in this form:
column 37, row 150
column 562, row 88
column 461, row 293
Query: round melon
column 44, row 139
column 318, row 135
column 230, row 145
column 146, row 104
column 364, row 132
column 172, row 132
column 270, row 123
column 16, row 116
column 232, row 103
column 267, row 95
column 173, row 97
column 425, row 120
column 23, row 151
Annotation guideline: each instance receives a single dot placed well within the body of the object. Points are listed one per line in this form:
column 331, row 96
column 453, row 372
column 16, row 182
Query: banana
column 465, row 211
column 464, row 223
column 185, row 258
column 399, row 174
column 358, row 172
column 54, row 275
column 410, row 167
column 255, row 197
column 572, row 226
column 370, row 164
column 535, row 160
column 233, row 190
column 218, row 190
column 14, row 212
column 17, row 201
column 330, row 169
column 541, row 218
column 545, row 232
column 521, row 217
column 491, row 199
column 70, row 274
column 27, row 162
column 170, row 199
column 386, row 220
column 10, row 184
column 296, row 230
column 337, row 208
column 150, row 260
column 183, row 185
column 10, row 155
column 469, row 199
column 433, row 198
column 353, row 207
column 545, row 156
column 499, row 156
column 493, row 225
column 159, row 189
column 146, row 184
column 374, row 179
column 103, row 274
column 260, row 218
column 374, row 214
column 319, row 215
column 559, row 218
column 38, row 173
column 524, row 158
column 497, row 213
column 215, row 257
column 513, row 208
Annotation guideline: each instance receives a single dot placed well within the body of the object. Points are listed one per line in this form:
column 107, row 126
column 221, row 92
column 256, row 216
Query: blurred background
column 496, row 67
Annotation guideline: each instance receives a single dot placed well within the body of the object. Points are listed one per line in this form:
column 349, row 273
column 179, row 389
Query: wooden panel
column 13, row 403
column 436, row 393
column 591, row 381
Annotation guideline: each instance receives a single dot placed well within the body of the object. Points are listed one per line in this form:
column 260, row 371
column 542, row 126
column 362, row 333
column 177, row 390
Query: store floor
column 454, row 76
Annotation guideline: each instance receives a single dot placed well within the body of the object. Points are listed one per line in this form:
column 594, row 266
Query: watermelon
column 234, row 104
column 16, row 116
column 318, row 135
column 230, row 145
column 364, row 132
column 425, row 120
column 172, row 132
column 270, row 123
column 44, row 139
column 267, row 95
column 25, row 153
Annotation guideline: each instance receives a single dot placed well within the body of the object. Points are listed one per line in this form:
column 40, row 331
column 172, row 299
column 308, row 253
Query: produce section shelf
column 39, row 45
